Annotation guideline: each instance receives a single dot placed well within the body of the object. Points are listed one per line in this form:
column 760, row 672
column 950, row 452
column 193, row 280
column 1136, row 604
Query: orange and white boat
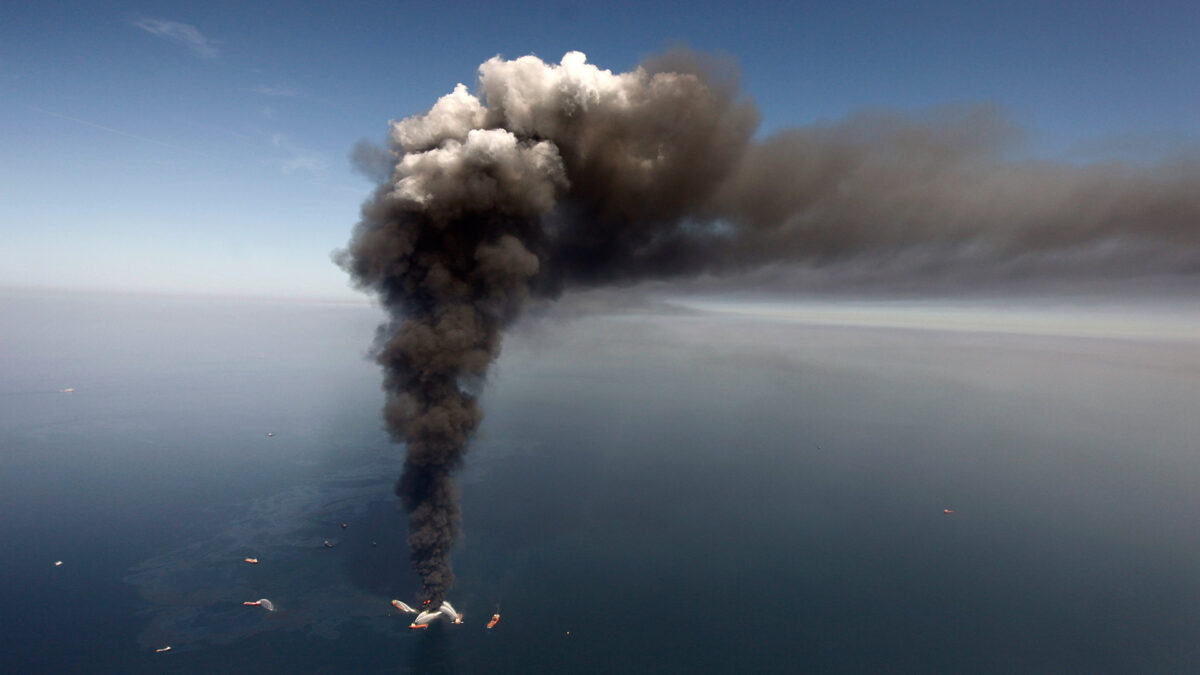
column 495, row 620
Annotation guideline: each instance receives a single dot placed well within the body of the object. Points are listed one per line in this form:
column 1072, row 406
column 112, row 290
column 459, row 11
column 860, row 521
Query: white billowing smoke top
column 529, row 94
column 452, row 116
column 445, row 178
column 466, row 154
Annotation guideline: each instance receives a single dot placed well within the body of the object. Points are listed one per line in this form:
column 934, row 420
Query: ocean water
column 710, row 488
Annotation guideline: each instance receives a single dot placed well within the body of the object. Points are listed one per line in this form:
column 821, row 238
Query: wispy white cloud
column 110, row 130
column 182, row 33
column 298, row 159
column 274, row 90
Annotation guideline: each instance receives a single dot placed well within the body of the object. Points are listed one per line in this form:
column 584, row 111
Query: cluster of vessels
column 424, row 617
column 446, row 611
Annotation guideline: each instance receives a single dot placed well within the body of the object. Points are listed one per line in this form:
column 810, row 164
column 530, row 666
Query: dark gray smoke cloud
column 565, row 175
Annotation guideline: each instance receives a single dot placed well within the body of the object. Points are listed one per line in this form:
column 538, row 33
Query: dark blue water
column 672, row 492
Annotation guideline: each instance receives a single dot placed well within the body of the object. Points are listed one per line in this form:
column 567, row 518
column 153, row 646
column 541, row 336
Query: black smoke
column 565, row 175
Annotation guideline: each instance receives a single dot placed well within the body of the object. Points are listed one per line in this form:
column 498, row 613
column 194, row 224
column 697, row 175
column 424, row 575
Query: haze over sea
column 704, row 486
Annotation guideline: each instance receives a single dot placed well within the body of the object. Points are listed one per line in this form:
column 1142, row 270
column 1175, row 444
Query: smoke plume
column 564, row 175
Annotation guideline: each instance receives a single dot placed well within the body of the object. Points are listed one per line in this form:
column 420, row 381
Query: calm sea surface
column 697, row 491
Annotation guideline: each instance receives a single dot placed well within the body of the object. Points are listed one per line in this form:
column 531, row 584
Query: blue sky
column 202, row 147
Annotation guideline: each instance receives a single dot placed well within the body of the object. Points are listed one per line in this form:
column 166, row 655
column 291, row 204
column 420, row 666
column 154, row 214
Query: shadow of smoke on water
column 195, row 592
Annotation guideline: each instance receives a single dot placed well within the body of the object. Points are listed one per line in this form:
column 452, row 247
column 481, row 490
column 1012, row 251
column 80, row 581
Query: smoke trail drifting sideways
column 561, row 175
